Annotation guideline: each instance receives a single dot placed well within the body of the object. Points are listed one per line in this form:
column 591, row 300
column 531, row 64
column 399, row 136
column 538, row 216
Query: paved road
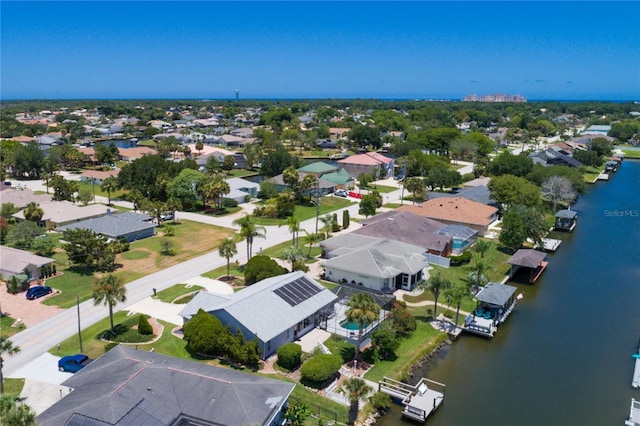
column 35, row 341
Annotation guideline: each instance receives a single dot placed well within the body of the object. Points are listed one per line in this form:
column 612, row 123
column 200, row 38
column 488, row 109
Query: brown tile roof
column 457, row 209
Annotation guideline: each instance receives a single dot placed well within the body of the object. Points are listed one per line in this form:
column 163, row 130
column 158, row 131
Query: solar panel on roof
column 297, row 291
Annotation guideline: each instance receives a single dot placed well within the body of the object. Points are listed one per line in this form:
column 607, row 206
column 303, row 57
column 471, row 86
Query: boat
column 634, row 414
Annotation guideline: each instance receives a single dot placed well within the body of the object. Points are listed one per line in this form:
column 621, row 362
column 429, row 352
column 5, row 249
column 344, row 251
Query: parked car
column 166, row 216
column 73, row 363
column 341, row 193
column 355, row 195
column 38, row 291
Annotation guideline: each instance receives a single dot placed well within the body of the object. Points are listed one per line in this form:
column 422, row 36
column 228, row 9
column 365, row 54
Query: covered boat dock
column 530, row 259
column 419, row 401
column 566, row 220
column 495, row 303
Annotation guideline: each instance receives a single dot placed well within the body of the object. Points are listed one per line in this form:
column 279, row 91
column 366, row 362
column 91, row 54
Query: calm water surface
column 564, row 355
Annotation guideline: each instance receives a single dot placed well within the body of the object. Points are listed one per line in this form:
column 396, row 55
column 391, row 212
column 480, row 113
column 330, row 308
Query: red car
column 355, row 195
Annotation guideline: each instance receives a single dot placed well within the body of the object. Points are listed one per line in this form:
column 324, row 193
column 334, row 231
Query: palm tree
column 415, row 185
column 455, row 295
column 436, row 284
column 6, row 348
column 362, row 310
column 16, row 414
column 294, row 228
column 356, row 389
column 227, row 249
column 249, row 230
column 327, row 221
column 478, row 269
column 110, row 185
column 481, row 247
column 291, row 254
column 109, row 290
column 33, row 212
column 311, row 239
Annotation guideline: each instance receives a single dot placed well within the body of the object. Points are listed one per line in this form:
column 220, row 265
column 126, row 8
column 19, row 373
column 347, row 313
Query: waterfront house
column 456, row 211
column 276, row 310
column 408, row 228
column 494, row 304
column 531, row 261
column 373, row 263
column 126, row 386
column 566, row 220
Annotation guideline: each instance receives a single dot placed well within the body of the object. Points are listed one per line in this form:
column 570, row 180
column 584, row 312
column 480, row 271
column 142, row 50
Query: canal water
column 564, row 356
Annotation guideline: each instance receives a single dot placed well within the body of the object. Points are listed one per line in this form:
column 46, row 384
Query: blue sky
column 427, row 50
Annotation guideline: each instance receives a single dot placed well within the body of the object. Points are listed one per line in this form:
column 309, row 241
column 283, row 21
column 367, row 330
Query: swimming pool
column 352, row 325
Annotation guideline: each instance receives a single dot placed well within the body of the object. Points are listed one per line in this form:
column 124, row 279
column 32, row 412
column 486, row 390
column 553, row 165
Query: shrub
column 229, row 202
column 380, row 401
column 260, row 267
column 299, row 265
column 168, row 230
column 345, row 219
column 110, row 346
column 320, row 368
column 168, row 247
column 461, row 259
column 204, row 334
column 289, row 356
column 143, row 326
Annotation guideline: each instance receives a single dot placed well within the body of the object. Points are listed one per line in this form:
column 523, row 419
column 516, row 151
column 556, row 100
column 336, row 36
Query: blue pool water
column 352, row 325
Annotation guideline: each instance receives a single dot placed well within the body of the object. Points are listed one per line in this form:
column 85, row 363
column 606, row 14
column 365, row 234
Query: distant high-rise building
column 494, row 98
column 237, row 95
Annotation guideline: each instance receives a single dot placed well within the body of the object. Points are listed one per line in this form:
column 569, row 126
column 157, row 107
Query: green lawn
column 5, row 326
column 98, row 191
column 278, row 250
column 383, row 189
column 13, row 386
column 235, row 270
column 242, row 173
column 590, row 173
column 327, row 205
column 411, row 350
column 392, row 205
column 174, row 292
column 144, row 257
column 323, row 408
column 631, row 153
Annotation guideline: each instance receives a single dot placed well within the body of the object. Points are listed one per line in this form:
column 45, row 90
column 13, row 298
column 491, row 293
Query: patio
column 337, row 322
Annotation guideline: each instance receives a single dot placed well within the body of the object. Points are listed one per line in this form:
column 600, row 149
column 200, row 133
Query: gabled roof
column 113, row 226
column 132, row 387
column 381, row 258
column 479, row 194
column 527, row 257
column 339, row 177
column 15, row 261
column 260, row 308
column 456, row 209
column 495, row 294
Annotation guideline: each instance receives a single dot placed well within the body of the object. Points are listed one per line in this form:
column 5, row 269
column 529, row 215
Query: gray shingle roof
column 255, row 304
column 527, row 257
column 113, row 226
column 130, row 387
column 566, row 214
column 496, row 294
column 383, row 259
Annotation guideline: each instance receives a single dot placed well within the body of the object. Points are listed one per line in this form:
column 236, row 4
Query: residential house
column 325, row 186
column 456, row 211
column 126, row 386
column 553, row 157
column 276, row 310
column 329, row 173
column 15, row 262
column 408, row 228
column 130, row 154
column 373, row 263
column 372, row 163
column 128, row 225
column 241, row 189
column 58, row 213
column 20, row 198
column 96, row 177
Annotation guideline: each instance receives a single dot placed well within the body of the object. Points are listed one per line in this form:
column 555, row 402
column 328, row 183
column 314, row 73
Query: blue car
column 73, row 363
column 38, row 291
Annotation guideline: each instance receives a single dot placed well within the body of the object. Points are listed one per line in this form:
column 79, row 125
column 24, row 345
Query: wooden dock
column 636, row 372
column 550, row 244
column 634, row 414
column 419, row 401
